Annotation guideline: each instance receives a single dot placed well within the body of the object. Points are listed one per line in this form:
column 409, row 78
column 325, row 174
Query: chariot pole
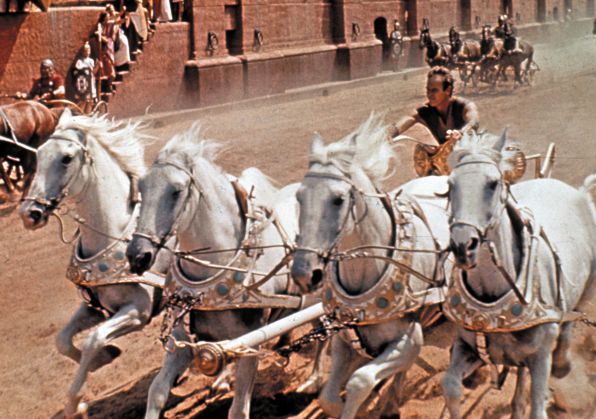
column 211, row 357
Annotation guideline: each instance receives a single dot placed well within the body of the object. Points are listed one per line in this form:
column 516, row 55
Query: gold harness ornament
column 392, row 296
column 110, row 266
column 508, row 313
column 235, row 285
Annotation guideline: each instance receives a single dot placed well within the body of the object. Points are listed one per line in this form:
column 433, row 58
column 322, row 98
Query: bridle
column 193, row 183
column 494, row 219
column 326, row 254
column 52, row 203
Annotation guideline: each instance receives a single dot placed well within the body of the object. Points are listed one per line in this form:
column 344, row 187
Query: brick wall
column 26, row 39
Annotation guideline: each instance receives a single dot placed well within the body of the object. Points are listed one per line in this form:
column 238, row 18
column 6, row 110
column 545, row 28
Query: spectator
column 49, row 86
column 162, row 10
column 84, row 79
column 105, row 31
column 130, row 31
column 120, row 41
column 140, row 19
column 177, row 10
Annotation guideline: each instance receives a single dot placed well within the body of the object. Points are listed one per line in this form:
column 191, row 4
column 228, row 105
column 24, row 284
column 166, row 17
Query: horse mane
column 185, row 147
column 482, row 144
column 371, row 151
column 123, row 141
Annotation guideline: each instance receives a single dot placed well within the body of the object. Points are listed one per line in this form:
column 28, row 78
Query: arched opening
column 382, row 35
column 541, row 11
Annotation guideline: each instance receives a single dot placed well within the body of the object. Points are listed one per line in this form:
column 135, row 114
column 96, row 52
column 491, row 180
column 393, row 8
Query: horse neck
column 372, row 226
column 104, row 203
column 214, row 220
column 485, row 279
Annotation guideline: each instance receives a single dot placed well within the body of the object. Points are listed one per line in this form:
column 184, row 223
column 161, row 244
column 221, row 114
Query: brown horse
column 31, row 123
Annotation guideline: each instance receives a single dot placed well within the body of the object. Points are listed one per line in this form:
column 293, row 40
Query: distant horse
column 516, row 58
column 381, row 296
column 512, row 294
column 91, row 162
column 491, row 50
column 187, row 196
column 435, row 53
column 30, row 123
column 464, row 56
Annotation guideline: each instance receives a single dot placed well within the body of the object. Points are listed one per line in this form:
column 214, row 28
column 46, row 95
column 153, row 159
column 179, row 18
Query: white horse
column 187, row 195
column 89, row 162
column 519, row 274
column 384, row 293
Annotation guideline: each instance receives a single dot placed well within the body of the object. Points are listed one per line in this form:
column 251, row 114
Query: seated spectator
column 49, row 86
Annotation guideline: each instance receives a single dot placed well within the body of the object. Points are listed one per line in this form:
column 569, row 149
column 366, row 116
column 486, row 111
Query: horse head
column 63, row 169
column 333, row 201
column 477, row 193
column 171, row 194
column 426, row 40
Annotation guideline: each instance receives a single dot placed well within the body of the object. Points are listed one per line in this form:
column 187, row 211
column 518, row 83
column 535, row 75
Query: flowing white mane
column 121, row 140
column 185, row 147
column 366, row 147
column 481, row 144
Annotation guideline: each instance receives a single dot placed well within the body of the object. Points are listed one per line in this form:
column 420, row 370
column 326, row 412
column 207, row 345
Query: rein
column 53, row 203
column 160, row 242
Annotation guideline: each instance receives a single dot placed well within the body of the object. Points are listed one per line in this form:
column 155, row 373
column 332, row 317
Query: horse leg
column 174, row 365
column 313, row 383
column 397, row 357
column 126, row 320
column 518, row 404
column 84, row 318
column 342, row 363
column 462, row 360
column 246, row 369
column 561, row 365
column 540, row 365
column 6, row 178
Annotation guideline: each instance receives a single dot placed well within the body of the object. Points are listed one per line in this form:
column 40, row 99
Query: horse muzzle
column 141, row 254
column 307, row 270
column 34, row 215
column 464, row 244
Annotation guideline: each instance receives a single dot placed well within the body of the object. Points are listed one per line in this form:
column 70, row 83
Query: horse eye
column 492, row 185
column 338, row 201
column 66, row 160
column 176, row 193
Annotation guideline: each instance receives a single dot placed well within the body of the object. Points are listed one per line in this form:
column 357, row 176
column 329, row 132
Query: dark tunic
column 432, row 119
column 41, row 86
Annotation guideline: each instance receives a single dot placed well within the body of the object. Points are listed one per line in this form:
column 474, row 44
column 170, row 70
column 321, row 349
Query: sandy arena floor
column 37, row 301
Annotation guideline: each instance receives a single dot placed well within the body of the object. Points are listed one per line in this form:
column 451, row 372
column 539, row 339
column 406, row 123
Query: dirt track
column 37, row 300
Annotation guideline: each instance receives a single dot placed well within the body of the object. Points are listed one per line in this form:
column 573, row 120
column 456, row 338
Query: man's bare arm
column 403, row 125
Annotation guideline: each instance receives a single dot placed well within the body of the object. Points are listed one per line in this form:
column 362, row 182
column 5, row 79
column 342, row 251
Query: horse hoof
column 105, row 356
column 332, row 409
column 310, row 386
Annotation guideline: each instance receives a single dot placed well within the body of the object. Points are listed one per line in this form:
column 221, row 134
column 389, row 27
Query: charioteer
column 445, row 115
column 49, row 86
